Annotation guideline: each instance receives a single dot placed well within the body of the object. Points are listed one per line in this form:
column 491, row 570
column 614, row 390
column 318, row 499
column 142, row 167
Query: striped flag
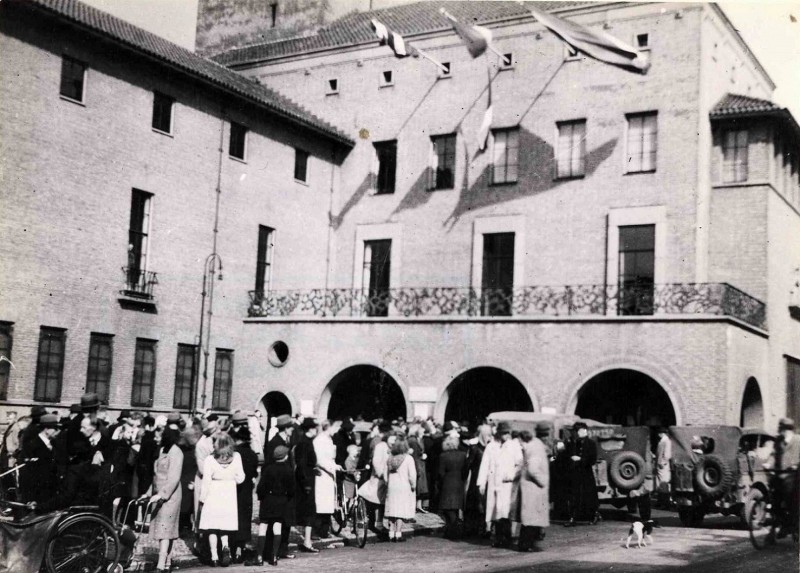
column 596, row 44
column 399, row 46
column 477, row 38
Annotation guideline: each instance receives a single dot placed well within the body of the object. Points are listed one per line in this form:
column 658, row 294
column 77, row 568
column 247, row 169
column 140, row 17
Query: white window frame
column 630, row 216
column 147, row 230
column 511, row 61
column 506, row 180
column 500, row 224
column 449, row 73
column 582, row 147
column 383, row 82
column 636, row 41
column 723, row 147
column 377, row 232
column 173, row 109
column 329, row 89
column 628, row 117
column 81, row 101
column 568, row 56
column 433, row 163
column 243, row 158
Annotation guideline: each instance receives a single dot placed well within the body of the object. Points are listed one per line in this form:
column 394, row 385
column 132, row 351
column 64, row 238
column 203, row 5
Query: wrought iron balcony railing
column 139, row 283
column 719, row 299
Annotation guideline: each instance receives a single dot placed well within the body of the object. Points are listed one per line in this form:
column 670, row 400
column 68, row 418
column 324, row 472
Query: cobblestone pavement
column 722, row 545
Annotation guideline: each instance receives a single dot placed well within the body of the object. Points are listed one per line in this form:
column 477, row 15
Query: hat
column 347, row 424
column 75, row 409
column 284, row 421
column 785, row 424
column 542, row 429
column 308, row 423
column 239, row 419
column 124, row 415
column 280, row 452
column 89, row 402
column 503, row 428
column 173, row 418
column 384, row 427
column 578, row 425
column 49, row 421
column 38, row 411
column 451, row 425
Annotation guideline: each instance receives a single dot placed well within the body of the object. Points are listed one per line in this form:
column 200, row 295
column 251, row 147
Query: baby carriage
column 129, row 534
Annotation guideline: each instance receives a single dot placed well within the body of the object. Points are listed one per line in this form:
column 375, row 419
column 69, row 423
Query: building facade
column 625, row 248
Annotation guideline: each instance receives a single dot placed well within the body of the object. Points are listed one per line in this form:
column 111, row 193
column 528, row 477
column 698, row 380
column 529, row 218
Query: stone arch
column 752, row 410
column 363, row 390
column 476, row 392
column 274, row 403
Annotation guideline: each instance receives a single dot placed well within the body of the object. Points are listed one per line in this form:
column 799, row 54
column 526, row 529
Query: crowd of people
column 204, row 474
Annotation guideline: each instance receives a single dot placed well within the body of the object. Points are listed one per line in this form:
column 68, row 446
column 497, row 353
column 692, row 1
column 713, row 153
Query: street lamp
column 212, row 265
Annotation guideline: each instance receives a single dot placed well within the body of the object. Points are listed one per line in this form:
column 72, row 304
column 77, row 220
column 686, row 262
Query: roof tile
column 733, row 104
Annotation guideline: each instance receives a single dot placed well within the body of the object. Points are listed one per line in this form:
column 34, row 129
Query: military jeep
column 715, row 469
column 621, row 451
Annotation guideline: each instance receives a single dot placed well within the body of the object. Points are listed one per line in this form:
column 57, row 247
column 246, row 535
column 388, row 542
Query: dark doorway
column 498, row 274
column 377, row 270
column 365, row 392
column 276, row 404
column 752, row 406
column 478, row 392
column 625, row 397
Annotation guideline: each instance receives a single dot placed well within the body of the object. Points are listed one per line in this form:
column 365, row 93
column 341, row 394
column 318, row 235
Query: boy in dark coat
column 452, row 473
column 275, row 492
column 305, row 462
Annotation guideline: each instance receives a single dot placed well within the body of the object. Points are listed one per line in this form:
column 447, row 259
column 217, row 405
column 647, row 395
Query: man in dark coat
column 343, row 438
column 275, row 492
column 244, row 491
column 305, row 460
column 452, row 473
column 283, row 438
column 39, row 477
column 582, row 453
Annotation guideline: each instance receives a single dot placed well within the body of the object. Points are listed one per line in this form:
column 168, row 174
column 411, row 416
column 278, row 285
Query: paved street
column 722, row 545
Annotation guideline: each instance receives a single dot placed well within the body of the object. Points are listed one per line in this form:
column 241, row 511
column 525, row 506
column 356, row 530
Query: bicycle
column 764, row 517
column 75, row 540
column 350, row 509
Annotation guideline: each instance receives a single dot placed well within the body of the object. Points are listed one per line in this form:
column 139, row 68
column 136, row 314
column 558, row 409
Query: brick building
column 626, row 248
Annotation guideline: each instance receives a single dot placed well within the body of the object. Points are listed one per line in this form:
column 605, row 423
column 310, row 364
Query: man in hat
column 342, row 439
column 283, row 439
column 39, row 477
column 305, row 460
column 534, row 488
column 30, row 433
column 787, row 462
column 582, row 454
column 498, row 469
column 663, row 467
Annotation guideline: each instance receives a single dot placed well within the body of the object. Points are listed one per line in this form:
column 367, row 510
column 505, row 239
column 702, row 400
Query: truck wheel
column 712, row 476
column 627, row 470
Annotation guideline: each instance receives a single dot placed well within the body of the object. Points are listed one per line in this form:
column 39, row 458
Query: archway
column 752, row 406
column 625, row 397
column 364, row 392
column 476, row 393
column 276, row 404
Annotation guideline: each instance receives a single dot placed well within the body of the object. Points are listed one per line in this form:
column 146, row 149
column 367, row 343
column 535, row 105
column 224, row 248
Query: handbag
column 373, row 490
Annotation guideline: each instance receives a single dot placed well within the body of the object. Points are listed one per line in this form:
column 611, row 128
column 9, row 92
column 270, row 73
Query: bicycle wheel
column 360, row 522
column 761, row 522
column 337, row 520
column 83, row 544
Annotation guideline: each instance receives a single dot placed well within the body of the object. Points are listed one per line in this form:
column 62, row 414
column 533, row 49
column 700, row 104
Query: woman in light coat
column 534, row 486
column 401, row 499
column 325, row 482
column 166, row 493
column 499, row 468
column 219, row 516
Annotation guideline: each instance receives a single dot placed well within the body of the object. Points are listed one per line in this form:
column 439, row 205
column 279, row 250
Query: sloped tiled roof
column 733, row 104
column 172, row 55
column 408, row 20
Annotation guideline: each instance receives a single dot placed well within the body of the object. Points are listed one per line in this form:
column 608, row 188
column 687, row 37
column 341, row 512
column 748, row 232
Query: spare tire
column 712, row 476
column 626, row 470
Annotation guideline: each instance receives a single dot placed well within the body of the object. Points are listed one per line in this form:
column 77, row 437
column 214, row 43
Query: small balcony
column 138, row 291
column 715, row 299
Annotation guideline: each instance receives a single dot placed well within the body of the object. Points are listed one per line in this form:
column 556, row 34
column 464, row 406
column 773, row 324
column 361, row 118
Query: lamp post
column 212, row 264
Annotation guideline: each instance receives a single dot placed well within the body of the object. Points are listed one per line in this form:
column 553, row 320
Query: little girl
column 350, row 466
column 275, row 491
column 401, row 500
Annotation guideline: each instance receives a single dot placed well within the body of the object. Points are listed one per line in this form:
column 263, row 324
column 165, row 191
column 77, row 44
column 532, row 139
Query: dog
column 643, row 533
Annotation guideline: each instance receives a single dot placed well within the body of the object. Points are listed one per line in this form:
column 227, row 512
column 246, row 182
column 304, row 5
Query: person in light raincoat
column 325, row 482
column 499, row 468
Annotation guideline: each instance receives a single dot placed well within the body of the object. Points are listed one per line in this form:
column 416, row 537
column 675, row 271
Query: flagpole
column 431, row 59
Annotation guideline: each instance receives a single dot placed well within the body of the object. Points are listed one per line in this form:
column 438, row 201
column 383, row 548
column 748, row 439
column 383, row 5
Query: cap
column 308, row 423
column 284, row 421
column 542, row 429
column 75, row 409
column 578, row 425
column 49, row 421
column 503, row 428
column 785, row 424
column 90, row 401
column 239, row 419
column 347, row 424
column 280, row 452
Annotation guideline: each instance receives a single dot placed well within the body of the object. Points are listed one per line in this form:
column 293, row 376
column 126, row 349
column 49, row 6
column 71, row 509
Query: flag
column 399, row 46
column 596, row 44
column 477, row 38
column 486, row 124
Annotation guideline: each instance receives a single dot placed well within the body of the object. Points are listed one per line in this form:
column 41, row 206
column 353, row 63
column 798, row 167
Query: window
column 637, row 245
column 138, row 283
column 571, row 151
column 50, row 364
column 447, row 71
column 223, row 380
column 73, row 77
column 273, row 14
column 264, row 259
column 505, row 156
column 301, row 165
column 643, row 41
column 642, row 142
column 507, row 63
column 6, row 338
column 792, row 387
column 376, row 276
column 570, row 53
column 98, row 373
column 386, row 79
column 734, row 156
column 162, row 112
column 237, row 145
column 498, row 274
column 444, row 161
column 333, row 87
column 386, row 152
column 185, row 373
column 144, row 373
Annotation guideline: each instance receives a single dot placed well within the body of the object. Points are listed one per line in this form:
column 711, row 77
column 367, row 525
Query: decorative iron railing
column 139, row 283
column 719, row 299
